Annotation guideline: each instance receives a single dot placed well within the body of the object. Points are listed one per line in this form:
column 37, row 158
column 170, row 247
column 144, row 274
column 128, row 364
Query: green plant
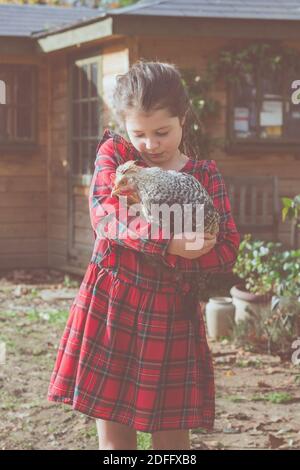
column 287, row 282
column 291, row 208
column 271, row 331
column 258, row 264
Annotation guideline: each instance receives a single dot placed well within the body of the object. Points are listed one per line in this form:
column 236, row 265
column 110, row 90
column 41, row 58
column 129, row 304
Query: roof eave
column 75, row 35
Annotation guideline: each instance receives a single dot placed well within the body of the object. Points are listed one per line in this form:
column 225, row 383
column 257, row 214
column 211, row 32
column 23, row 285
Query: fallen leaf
column 275, row 442
column 262, row 384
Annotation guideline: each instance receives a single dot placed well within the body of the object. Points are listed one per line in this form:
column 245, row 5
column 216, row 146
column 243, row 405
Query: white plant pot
column 243, row 300
column 219, row 313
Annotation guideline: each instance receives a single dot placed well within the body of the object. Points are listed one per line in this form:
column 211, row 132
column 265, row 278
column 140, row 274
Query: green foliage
column 291, row 208
column 266, row 267
column 274, row 397
column 258, row 264
column 144, row 441
column 271, row 331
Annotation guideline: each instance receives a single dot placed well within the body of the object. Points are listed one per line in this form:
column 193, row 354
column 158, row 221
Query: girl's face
column 156, row 135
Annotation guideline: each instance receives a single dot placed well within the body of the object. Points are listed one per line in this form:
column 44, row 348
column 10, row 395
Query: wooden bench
column 255, row 204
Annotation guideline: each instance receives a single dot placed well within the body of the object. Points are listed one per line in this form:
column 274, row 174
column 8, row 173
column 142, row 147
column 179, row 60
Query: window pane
column 86, row 159
column 75, row 82
column 245, row 90
column 24, row 129
column 293, row 121
column 245, row 122
column 94, row 118
column 271, row 119
column 94, row 79
column 76, row 158
column 245, row 108
column 84, row 119
column 76, row 119
column 271, row 85
column 84, row 81
column 24, row 87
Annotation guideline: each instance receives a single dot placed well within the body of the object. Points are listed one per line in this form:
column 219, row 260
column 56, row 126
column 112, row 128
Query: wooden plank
column 18, row 214
column 15, row 166
column 23, row 261
column 82, row 220
column 22, row 183
column 58, row 201
column 58, row 247
column 58, row 231
column 57, row 216
column 27, row 230
column 23, row 199
column 84, row 236
column 22, row 245
column 81, row 204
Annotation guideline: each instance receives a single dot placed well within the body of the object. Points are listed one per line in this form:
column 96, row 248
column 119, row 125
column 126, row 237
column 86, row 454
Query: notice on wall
column 271, row 113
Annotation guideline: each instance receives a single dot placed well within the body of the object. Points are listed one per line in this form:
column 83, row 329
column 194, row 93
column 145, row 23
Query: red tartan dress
column 129, row 353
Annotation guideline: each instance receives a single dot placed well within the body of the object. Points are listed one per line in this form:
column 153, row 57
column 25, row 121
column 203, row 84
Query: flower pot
column 242, row 299
column 219, row 313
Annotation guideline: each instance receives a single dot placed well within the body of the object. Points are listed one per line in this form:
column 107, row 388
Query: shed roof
column 25, row 20
column 234, row 9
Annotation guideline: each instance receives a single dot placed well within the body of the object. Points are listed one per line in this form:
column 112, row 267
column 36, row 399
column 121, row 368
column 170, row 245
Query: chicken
column 155, row 186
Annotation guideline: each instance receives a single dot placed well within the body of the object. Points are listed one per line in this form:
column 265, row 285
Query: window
column 261, row 109
column 18, row 114
column 85, row 114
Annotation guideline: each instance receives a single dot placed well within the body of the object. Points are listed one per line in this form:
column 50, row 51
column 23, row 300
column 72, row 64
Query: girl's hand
column 191, row 245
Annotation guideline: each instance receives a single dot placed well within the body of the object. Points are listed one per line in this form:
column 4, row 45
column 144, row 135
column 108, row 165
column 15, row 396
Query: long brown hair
column 150, row 86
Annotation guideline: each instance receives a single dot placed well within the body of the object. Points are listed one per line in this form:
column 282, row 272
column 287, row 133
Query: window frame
column 19, row 144
column 85, row 59
column 258, row 144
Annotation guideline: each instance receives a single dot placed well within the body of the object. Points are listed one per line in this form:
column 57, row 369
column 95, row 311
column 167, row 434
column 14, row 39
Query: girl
column 130, row 356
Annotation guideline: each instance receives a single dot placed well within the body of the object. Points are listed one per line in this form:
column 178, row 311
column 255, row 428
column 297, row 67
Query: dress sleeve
column 112, row 220
column 223, row 256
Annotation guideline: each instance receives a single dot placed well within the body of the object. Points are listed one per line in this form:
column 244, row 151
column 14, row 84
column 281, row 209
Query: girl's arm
column 222, row 256
column 109, row 220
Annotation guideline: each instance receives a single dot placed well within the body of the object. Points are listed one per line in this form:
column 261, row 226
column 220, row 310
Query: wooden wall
column 23, row 190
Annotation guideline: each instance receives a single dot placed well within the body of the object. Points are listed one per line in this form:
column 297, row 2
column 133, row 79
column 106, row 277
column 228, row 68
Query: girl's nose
column 151, row 145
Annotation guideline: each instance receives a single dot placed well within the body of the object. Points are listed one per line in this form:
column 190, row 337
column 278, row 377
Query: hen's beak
column 114, row 191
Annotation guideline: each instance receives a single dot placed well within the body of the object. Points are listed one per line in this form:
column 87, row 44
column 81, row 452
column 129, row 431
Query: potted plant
column 257, row 266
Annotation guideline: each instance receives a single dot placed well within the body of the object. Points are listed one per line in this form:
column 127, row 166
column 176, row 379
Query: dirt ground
column 257, row 396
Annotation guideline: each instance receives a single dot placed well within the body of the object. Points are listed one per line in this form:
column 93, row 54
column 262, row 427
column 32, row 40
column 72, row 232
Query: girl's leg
column 171, row 440
column 115, row 436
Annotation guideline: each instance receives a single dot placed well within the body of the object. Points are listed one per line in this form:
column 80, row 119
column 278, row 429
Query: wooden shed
column 59, row 67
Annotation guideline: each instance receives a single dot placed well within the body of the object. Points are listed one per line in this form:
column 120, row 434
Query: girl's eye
column 158, row 133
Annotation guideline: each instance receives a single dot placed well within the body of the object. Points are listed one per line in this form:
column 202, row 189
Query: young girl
column 130, row 356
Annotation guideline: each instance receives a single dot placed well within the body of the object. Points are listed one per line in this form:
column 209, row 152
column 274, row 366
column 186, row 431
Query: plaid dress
column 129, row 352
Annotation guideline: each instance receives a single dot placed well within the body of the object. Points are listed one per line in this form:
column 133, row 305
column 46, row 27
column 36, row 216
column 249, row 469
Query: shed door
column 85, row 129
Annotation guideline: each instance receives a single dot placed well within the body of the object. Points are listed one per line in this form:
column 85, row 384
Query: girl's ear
column 113, row 177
